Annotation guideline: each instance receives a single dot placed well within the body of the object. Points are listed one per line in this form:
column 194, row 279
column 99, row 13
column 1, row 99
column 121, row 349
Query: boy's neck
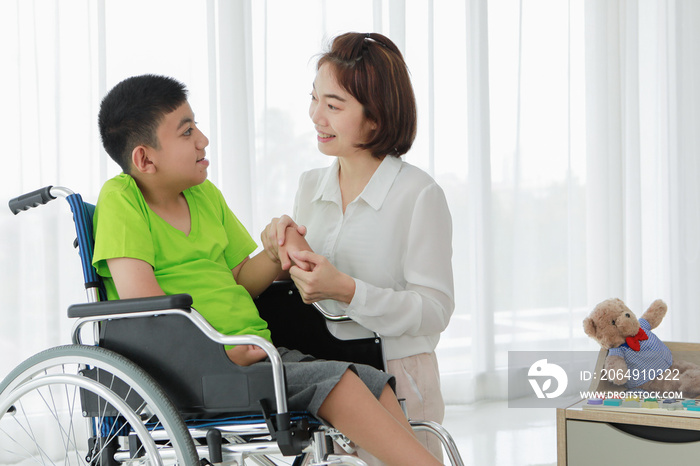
column 157, row 196
column 170, row 205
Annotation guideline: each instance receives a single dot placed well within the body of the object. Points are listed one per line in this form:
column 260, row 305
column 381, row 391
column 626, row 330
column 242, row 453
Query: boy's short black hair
column 131, row 112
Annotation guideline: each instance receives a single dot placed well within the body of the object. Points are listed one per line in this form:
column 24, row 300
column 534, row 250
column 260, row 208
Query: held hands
column 322, row 280
column 315, row 277
column 281, row 238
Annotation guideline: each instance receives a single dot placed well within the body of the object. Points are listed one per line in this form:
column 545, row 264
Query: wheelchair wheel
column 86, row 405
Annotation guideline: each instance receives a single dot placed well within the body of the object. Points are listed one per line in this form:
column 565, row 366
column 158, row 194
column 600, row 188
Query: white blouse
column 395, row 240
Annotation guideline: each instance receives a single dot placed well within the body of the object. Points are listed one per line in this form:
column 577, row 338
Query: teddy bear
column 636, row 357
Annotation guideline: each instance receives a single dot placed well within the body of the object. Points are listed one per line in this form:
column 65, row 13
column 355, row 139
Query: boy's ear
column 140, row 157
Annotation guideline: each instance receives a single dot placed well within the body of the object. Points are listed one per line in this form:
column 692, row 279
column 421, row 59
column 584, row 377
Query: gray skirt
column 310, row 380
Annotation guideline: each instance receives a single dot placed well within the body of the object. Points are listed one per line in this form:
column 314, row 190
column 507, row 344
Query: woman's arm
column 421, row 299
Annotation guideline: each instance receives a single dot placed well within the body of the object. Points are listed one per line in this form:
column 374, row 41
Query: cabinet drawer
column 589, row 442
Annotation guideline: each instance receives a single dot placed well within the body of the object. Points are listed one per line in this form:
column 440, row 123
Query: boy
column 161, row 228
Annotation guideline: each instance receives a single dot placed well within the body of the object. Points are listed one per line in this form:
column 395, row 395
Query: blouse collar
column 374, row 193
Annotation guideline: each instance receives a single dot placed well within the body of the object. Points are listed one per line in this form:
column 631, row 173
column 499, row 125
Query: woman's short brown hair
column 371, row 68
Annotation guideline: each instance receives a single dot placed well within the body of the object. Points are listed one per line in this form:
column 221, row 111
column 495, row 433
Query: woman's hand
column 274, row 237
column 322, row 280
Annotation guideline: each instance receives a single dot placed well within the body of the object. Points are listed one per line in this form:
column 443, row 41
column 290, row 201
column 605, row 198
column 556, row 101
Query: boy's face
column 180, row 160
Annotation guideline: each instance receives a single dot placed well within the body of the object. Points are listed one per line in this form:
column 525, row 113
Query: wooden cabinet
column 640, row 437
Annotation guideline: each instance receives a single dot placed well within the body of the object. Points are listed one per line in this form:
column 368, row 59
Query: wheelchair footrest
column 291, row 437
column 342, row 441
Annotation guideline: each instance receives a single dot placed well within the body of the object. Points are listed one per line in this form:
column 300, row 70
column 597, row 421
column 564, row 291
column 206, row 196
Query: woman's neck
column 354, row 175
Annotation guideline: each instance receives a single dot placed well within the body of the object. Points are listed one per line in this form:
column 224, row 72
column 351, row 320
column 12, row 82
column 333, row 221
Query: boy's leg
column 379, row 427
column 391, row 404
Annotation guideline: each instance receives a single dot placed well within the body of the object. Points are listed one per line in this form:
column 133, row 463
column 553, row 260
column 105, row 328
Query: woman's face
column 338, row 117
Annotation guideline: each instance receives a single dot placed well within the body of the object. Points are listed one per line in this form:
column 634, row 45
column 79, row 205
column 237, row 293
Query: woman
column 380, row 228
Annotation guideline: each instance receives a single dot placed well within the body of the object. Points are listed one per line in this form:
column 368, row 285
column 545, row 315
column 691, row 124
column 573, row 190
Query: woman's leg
column 378, row 426
column 418, row 384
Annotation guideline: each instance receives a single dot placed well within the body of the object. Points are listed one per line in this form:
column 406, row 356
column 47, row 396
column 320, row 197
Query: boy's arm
column 133, row 278
column 257, row 273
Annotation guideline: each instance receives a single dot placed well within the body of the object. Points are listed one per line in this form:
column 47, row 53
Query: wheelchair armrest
column 288, row 286
column 178, row 306
column 124, row 306
column 328, row 316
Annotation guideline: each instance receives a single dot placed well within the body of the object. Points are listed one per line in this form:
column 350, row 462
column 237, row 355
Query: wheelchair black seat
column 300, row 326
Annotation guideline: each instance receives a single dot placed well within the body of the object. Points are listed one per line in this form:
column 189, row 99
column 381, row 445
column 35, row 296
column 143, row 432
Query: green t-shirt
column 199, row 263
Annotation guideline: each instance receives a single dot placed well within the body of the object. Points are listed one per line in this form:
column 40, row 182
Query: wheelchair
column 154, row 386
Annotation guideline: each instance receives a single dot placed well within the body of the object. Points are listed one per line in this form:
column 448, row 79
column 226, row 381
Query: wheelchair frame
column 130, row 417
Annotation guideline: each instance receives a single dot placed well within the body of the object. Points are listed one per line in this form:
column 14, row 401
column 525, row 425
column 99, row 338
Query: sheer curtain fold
column 231, row 94
column 604, row 182
column 684, row 149
column 563, row 133
column 479, row 299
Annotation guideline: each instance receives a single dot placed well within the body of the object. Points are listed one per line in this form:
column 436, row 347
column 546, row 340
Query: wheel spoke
column 55, row 412
column 30, row 432
column 48, row 426
column 28, row 454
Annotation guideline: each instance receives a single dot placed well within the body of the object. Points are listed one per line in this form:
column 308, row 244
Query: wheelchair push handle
column 29, row 200
column 36, row 198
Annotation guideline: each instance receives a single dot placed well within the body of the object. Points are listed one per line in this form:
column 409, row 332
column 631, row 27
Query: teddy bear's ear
column 589, row 327
column 658, row 306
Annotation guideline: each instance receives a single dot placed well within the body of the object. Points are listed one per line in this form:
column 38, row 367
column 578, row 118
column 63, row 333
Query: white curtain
column 642, row 195
column 564, row 135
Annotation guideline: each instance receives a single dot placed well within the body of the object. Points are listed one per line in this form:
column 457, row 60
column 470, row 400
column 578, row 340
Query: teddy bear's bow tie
column 633, row 342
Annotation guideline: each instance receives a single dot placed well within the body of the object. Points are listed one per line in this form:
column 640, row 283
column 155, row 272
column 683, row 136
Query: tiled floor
column 491, row 434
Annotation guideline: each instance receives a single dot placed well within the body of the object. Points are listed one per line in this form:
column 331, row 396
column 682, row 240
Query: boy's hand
column 274, row 236
column 294, row 243
column 245, row 355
